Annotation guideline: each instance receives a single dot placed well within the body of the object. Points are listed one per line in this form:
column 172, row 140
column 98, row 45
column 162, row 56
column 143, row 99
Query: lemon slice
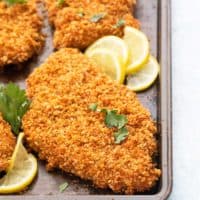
column 109, row 63
column 138, row 46
column 22, row 170
column 113, row 43
column 145, row 77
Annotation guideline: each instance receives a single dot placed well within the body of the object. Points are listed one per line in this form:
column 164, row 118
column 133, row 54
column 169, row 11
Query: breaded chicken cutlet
column 79, row 23
column 68, row 135
column 7, row 144
column 20, row 32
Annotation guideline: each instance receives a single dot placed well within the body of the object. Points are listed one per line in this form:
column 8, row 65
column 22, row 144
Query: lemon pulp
column 138, row 45
column 114, row 44
column 109, row 63
column 22, row 170
column 145, row 77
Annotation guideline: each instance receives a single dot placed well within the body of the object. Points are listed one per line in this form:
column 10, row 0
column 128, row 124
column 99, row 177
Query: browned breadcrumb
column 65, row 133
column 72, row 21
column 7, row 144
column 20, row 32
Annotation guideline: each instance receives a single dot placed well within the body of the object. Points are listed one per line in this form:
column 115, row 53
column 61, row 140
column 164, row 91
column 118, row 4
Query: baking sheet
column 155, row 20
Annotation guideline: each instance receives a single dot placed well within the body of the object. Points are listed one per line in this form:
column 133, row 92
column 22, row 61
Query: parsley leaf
column 61, row 2
column 63, row 187
column 95, row 18
column 93, row 106
column 13, row 105
column 120, row 23
column 121, row 135
column 113, row 119
column 11, row 2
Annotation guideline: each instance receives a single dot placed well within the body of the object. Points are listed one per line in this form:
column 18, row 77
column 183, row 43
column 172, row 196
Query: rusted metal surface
column 155, row 20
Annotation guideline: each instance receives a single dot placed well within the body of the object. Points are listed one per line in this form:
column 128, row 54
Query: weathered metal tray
column 155, row 19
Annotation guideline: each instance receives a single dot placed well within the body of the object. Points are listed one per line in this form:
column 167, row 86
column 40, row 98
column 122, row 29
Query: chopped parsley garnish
column 97, row 17
column 12, row 2
column 121, row 135
column 61, row 2
column 93, row 106
column 113, row 119
column 13, row 105
column 63, row 187
column 120, row 23
column 80, row 14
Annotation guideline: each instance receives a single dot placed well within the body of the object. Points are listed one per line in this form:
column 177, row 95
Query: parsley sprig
column 12, row 2
column 13, row 105
column 113, row 119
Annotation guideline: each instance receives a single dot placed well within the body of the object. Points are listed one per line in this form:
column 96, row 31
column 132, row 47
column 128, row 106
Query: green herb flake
column 13, row 105
column 120, row 23
column 63, row 187
column 113, row 119
column 121, row 135
column 12, row 2
column 80, row 14
column 97, row 17
column 93, row 106
column 61, row 2
column 103, row 110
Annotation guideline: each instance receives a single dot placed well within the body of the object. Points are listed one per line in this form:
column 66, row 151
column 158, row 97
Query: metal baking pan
column 155, row 20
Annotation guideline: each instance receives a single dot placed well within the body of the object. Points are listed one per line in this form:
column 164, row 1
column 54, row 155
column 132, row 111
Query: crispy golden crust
column 7, row 144
column 20, row 32
column 65, row 133
column 75, row 30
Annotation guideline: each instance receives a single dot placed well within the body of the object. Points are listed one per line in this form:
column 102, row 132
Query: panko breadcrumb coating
column 73, row 20
column 7, row 144
column 20, row 32
column 68, row 135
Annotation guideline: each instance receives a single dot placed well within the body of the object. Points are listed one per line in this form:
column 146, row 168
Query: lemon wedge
column 22, row 170
column 109, row 63
column 138, row 45
column 112, row 43
column 145, row 77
